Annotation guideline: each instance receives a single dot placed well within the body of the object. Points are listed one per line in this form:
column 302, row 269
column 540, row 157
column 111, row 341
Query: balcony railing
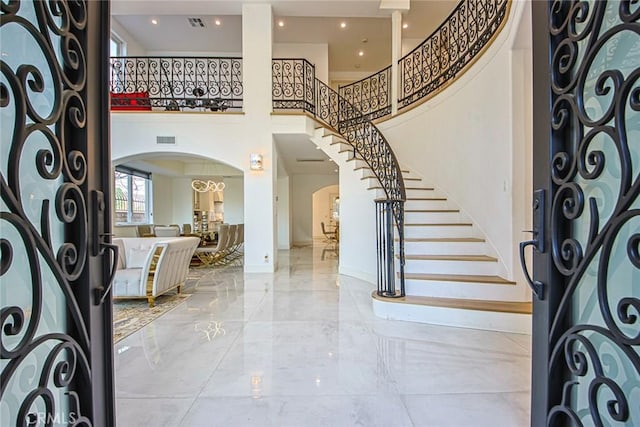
column 449, row 49
column 296, row 87
column 176, row 83
column 371, row 95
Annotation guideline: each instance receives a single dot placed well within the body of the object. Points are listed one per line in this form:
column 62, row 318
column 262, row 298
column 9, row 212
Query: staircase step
column 444, row 239
column 465, row 313
column 466, row 286
column 437, row 246
column 439, row 230
column 480, row 258
column 432, row 216
column 443, row 224
column 430, row 203
column 431, row 210
column 463, row 304
column 408, row 178
column 451, row 264
column 464, row 278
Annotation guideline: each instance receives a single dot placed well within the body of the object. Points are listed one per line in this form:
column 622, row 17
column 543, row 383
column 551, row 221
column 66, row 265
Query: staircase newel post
column 389, row 248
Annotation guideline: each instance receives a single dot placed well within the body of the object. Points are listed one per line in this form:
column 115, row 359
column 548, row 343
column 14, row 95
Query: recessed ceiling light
column 405, row 25
column 343, row 25
column 361, row 53
column 154, row 21
column 280, row 23
column 218, row 22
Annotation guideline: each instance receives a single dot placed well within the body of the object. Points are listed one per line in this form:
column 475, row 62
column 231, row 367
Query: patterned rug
column 131, row 315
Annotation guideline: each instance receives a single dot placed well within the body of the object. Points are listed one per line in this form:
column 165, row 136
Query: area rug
column 131, row 315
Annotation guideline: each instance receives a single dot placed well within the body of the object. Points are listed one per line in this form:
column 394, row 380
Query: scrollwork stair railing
column 176, row 83
column 295, row 87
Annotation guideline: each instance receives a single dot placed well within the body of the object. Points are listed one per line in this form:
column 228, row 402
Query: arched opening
column 162, row 189
column 325, row 210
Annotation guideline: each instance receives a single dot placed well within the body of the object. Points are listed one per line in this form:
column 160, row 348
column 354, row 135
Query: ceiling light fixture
column 405, row 26
column 218, row 22
column 343, row 25
column 280, row 23
column 154, row 21
column 361, row 53
column 205, row 186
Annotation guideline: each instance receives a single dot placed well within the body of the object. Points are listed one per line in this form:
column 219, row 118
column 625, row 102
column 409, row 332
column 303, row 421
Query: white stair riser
column 437, row 232
column 420, row 193
column 463, row 290
column 444, row 248
column 480, row 268
column 431, row 217
column 426, row 204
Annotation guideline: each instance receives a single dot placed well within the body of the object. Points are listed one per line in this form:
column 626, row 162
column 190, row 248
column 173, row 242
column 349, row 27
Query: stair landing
column 504, row 316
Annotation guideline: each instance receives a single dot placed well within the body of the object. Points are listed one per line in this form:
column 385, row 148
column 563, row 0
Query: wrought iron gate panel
column 595, row 212
column 45, row 344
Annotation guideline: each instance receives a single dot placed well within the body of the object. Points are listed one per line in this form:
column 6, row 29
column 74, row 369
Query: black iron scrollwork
column 450, row 48
column 42, row 362
column 596, row 213
column 371, row 95
column 176, row 83
column 293, row 82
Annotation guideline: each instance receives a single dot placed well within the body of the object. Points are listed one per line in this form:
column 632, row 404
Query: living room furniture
column 149, row 267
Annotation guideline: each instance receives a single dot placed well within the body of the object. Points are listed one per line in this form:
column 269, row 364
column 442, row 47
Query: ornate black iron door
column 586, row 349
column 56, row 327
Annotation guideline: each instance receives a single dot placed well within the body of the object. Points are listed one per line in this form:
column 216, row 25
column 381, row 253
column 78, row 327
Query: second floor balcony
column 176, row 84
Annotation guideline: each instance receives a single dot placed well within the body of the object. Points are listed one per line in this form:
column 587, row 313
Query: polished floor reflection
column 301, row 347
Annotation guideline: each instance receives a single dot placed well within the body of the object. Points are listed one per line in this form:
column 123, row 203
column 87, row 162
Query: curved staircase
column 452, row 276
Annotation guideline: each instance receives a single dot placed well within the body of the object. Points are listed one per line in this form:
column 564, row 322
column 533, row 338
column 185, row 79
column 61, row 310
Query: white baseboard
column 358, row 274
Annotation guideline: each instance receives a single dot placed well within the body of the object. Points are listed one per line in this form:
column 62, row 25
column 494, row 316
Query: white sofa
column 151, row 266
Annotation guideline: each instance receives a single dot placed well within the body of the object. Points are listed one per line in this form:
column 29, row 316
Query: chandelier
column 204, row 186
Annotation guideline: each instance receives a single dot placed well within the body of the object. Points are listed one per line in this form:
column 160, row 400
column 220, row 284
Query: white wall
column 132, row 47
column 234, row 200
column 259, row 195
column 163, row 197
column 303, row 187
column 182, row 202
column 322, row 209
column 315, row 53
column 462, row 141
column 285, row 225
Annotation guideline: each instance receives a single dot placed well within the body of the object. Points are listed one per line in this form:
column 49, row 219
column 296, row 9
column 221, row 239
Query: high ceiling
column 367, row 28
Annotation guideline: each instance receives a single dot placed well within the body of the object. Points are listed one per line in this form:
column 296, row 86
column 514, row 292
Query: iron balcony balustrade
column 449, row 49
column 371, row 95
column 436, row 62
column 295, row 87
column 176, row 83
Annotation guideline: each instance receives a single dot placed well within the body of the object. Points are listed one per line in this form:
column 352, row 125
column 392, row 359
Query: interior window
column 132, row 196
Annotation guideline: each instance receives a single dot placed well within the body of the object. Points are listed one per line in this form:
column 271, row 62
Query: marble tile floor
column 301, row 347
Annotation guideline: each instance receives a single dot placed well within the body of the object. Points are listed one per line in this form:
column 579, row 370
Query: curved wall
column 463, row 141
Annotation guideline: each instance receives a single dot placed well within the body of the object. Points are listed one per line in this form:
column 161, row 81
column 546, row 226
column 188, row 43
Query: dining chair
column 328, row 234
